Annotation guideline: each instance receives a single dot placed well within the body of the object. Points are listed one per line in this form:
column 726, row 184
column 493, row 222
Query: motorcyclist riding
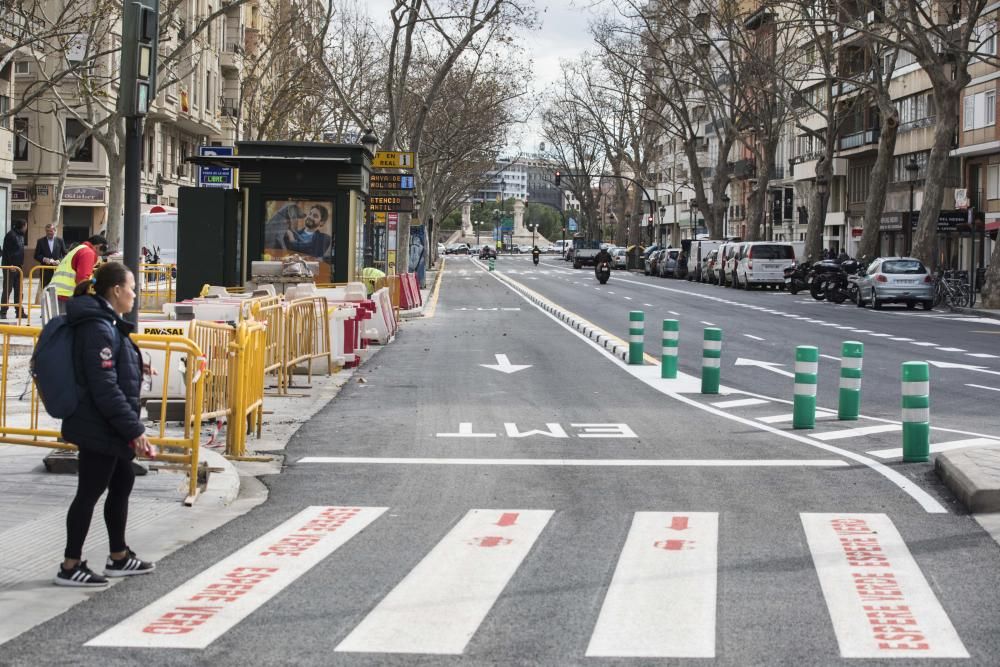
column 535, row 252
column 602, row 256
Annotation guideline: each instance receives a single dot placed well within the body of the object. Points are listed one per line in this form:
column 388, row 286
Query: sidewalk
column 993, row 313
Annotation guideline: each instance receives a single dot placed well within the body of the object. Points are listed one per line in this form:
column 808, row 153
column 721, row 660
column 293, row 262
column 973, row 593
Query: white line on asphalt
column 438, row 606
column 983, row 355
column 648, row 305
column 873, row 587
column 862, row 331
column 628, row 298
column 903, row 340
column 207, row 605
column 584, row 463
column 661, row 602
column 925, row 344
column 740, row 403
column 896, row 452
column 707, row 324
column 753, row 337
column 880, row 335
column 778, row 419
column 830, row 356
column 674, row 312
column 979, row 386
column 949, row 349
column 856, row 432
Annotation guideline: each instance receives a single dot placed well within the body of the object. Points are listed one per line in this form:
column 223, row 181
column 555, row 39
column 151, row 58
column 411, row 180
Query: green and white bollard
column 851, row 354
column 668, row 355
column 806, row 370
column 916, row 411
column 711, row 360
column 636, row 336
column 493, row 263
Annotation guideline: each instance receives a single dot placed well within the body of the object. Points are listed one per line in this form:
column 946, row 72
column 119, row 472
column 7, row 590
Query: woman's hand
column 143, row 447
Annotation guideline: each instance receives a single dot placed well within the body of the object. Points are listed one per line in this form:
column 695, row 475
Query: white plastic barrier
column 337, row 316
column 213, row 310
column 379, row 328
column 175, row 375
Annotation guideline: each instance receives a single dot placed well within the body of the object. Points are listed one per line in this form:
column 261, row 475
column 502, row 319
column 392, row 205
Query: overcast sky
column 563, row 35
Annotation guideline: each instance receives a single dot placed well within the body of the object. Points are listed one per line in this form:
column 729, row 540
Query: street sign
column 393, row 160
column 391, row 204
column 215, row 177
column 391, row 182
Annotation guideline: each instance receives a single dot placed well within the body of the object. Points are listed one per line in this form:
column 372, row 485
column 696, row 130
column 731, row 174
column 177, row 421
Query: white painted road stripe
column 753, row 337
column 209, row 604
column 981, row 355
column 661, row 601
column 980, row 386
column 440, row 604
column 743, row 402
column 879, row 601
column 939, row 447
column 856, row 432
column 614, row 463
column 777, row 419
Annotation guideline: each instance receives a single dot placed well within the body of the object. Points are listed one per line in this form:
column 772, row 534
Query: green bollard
column 849, row 405
column 916, row 411
column 636, row 336
column 668, row 355
column 493, row 263
column 806, row 370
column 711, row 360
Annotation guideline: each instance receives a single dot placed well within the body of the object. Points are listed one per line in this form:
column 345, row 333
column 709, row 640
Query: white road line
column 628, row 298
column 862, row 331
column 587, row 463
column 903, row 340
column 674, row 312
column 938, row 447
column 856, row 432
column 980, row 386
column 209, row 604
column 753, row 337
column 830, row 356
column 778, row 419
column 649, row 305
column 925, row 344
column 949, row 349
column 879, row 601
column 983, row 355
column 707, row 324
column 439, row 605
column 880, row 335
column 739, row 403
column 661, row 602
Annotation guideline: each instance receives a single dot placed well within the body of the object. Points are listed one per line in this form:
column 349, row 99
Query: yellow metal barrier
column 9, row 272
column 218, row 346
column 50, row 436
column 248, row 394
column 307, row 335
column 273, row 318
column 36, row 273
column 157, row 281
column 321, row 332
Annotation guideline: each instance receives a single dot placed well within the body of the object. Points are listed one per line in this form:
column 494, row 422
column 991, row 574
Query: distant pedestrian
column 49, row 251
column 77, row 267
column 13, row 255
column 106, row 425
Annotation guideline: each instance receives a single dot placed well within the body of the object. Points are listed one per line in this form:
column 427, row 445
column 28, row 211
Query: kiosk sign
column 215, row 177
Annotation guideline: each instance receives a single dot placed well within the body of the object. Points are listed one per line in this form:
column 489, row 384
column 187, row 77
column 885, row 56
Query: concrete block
column 973, row 475
column 61, row 462
column 175, row 410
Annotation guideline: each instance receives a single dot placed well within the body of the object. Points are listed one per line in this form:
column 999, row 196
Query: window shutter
column 970, row 112
column 993, row 182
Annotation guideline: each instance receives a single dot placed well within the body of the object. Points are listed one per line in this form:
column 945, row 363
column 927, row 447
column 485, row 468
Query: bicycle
column 953, row 292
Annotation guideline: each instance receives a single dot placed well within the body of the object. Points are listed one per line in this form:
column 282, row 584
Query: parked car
column 524, row 247
column 708, row 274
column 457, row 249
column 896, row 280
column 667, row 266
column 652, row 264
column 442, row 250
column 618, row 258
column 727, row 271
column 763, row 263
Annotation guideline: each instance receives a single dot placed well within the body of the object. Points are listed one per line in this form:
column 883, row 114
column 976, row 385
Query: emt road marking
column 206, row 606
column 880, row 603
column 440, row 604
column 661, row 600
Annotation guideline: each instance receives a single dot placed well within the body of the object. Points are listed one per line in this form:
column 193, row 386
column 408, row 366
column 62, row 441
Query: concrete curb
column 223, row 487
column 973, row 475
column 978, row 312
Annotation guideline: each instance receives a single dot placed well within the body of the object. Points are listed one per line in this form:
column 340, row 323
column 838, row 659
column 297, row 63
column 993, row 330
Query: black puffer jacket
column 110, row 372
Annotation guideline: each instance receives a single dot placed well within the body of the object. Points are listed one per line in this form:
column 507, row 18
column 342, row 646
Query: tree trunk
column 868, row 248
column 114, row 227
column 925, row 237
column 814, row 230
column 991, row 288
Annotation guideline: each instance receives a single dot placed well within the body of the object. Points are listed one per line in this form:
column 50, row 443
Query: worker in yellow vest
column 77, row 266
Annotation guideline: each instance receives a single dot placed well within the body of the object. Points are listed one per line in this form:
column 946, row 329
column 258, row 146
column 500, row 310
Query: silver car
column 896, row 280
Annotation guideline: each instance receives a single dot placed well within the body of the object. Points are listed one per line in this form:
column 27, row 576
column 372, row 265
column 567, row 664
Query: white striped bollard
column 668, row 355
column 636, row 336
column 916, row 411
column 806, row 370
column 849, row 403
column 711, row 360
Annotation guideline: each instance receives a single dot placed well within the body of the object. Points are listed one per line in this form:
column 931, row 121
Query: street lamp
column 369, row 141
column 725, row 215
column 660, row 232
column 823, row 188
column 534, row 226
column 912, row 168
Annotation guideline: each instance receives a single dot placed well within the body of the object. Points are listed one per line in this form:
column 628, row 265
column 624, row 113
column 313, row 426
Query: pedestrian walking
column 77, row 267
column 49, row 251
column 13, row 255
column 105, row 426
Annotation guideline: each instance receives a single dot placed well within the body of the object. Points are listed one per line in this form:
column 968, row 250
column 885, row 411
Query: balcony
column 805, row 169
column 918, row 123
column 6, row 154
column 228, row 107
column 231, row 58
column 858, row 139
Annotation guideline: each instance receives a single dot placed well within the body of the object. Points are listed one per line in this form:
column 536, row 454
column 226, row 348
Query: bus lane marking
column 880, row 603
column 202, row 609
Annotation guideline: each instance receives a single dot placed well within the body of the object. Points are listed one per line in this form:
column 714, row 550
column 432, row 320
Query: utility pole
column 140, row 38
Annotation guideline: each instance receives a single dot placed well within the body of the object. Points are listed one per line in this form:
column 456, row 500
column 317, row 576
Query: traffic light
column 140, row 39
column 558, row 177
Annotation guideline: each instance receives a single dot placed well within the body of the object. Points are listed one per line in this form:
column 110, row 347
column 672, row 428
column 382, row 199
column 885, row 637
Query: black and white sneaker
column 127, row 566
column 80, row 576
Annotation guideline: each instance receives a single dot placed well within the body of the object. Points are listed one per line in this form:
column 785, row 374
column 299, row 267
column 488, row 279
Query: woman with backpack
column 105, row 425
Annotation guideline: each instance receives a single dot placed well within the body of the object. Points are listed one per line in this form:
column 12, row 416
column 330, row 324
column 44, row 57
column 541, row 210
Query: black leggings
column 97, row 473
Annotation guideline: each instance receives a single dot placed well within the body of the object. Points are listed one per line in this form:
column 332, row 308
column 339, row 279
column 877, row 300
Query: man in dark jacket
column 13, row 255
column 49, row 251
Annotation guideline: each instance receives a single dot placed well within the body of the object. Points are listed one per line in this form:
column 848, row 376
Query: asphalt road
column 577, row 511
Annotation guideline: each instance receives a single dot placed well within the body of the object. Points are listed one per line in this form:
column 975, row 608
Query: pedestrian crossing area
column 661, row 596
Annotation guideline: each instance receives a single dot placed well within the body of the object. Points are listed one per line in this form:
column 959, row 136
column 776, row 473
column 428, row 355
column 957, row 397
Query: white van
column 696, row 255
column 763, row 263
column 561, row 246
column 728, row 256
column 159, row 230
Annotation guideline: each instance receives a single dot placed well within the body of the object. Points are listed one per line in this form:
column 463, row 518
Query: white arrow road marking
column 964, row 367
column 766, row 365
column 504, row 366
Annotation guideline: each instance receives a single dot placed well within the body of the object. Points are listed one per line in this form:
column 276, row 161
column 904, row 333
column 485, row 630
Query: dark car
column 457, row 249
column 487, row 252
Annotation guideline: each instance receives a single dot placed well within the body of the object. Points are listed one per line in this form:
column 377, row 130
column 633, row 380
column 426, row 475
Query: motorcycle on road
column 603, row 272
column 534, row 258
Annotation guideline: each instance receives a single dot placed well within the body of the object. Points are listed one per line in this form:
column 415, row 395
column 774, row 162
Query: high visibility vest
column 64, row 277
